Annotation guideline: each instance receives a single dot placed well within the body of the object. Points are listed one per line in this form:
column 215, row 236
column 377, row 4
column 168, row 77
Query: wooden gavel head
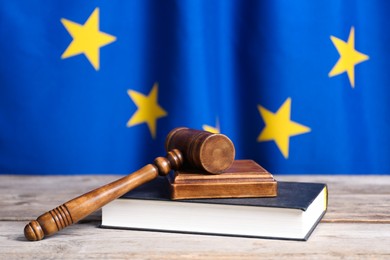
column 213, row 153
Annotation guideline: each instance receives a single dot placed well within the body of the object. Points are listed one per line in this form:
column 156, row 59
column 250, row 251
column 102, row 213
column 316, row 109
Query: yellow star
column 87, row 39
column 148, row 110
column 211, row 129
column 279, row 127
column 349, row 57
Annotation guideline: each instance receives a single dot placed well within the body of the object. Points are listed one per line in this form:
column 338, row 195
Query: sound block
column 244, row 179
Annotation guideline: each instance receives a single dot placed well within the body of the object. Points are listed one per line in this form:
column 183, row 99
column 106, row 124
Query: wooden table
column 357, row 225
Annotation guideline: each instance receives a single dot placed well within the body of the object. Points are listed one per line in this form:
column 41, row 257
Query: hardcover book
column 293, row 214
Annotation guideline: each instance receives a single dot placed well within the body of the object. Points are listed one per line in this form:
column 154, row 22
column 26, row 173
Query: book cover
column 293, row 214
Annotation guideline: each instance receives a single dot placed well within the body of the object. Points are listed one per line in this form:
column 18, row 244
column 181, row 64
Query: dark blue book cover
column 295, row 195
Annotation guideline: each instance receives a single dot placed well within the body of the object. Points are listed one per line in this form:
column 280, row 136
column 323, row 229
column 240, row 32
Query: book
column 292, row 215
column 245, row 178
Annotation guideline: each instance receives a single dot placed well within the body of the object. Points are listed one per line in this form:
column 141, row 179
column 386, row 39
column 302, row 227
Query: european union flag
column 299, row 86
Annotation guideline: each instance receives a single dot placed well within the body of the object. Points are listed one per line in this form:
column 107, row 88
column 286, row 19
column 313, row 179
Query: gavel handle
column 76, row 209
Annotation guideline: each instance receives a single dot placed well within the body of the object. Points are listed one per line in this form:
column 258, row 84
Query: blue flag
column 298, row 86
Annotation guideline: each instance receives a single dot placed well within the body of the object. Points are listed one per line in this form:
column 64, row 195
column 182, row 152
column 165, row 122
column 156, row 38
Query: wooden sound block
column 244, row 179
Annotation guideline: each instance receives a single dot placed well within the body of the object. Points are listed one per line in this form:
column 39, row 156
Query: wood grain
column 244, row 179
column 213, row 153
column 355, row 226
column 351, row 198
column 329, row 241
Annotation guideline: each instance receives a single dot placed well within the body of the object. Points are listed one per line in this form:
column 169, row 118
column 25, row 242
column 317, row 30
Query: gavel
column 213, row 153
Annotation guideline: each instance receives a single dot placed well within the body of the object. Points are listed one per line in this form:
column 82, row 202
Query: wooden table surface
column 357, row 225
